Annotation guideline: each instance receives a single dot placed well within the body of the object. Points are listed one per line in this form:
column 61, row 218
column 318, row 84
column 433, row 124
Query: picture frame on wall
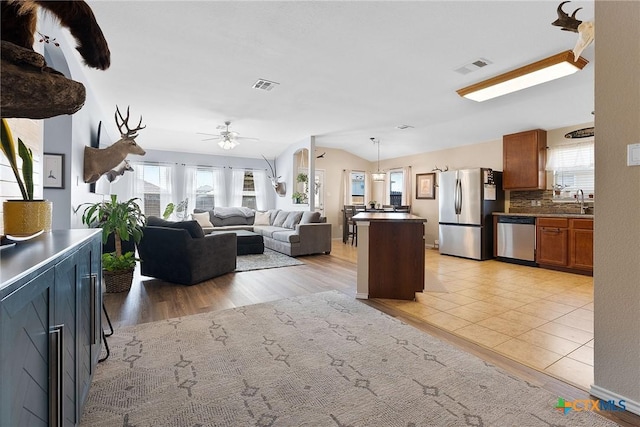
column 426, row 186
column 53, row 170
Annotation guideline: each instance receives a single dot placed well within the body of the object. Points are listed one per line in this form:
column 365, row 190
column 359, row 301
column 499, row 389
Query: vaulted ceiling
column 347, row 71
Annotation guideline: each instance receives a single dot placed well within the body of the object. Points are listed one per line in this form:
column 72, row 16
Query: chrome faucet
column 583, row 209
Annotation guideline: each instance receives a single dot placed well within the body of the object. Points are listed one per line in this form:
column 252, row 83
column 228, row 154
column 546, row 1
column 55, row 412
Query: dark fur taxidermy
column 18, row 26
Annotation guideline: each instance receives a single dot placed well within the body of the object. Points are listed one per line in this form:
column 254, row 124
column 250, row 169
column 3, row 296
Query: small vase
column 26, row 217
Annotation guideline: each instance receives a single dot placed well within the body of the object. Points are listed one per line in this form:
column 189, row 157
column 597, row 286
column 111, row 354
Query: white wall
column 617, row 231
column 484, row 154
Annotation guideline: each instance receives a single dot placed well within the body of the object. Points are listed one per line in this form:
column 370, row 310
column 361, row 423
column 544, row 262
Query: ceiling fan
column 227, row 139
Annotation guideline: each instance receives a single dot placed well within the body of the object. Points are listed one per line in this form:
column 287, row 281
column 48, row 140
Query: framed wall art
column 426, row 186
column 53, row 170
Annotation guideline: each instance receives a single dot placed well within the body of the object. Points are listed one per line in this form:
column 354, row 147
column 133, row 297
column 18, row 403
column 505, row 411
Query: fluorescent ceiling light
column 542, row 71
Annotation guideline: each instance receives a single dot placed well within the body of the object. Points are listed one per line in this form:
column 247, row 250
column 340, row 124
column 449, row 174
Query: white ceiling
column 348, row 71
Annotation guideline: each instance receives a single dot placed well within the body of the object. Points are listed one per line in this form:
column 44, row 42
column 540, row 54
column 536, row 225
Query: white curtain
column 368, row 185
column 261, row 187
column 567, row 157
column 406, row 185
column 190, row 185
column 237, row 186
column 166, row 186
column 219, row 188
column 346, row 187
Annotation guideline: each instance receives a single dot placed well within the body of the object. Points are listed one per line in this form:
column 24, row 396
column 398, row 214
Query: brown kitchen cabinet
column 581, row 244
column 552, row 246
column 524, row 160
column 565, row 243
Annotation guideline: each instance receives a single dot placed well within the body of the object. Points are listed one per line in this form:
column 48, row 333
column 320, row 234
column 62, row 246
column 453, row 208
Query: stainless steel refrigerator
column 468, row 197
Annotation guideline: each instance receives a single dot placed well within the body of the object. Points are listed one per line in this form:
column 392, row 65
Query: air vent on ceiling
column 403, row 127
column 264, row 84
column 472, row 66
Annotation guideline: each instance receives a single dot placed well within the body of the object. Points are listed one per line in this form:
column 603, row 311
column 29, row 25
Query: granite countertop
column 546, row 215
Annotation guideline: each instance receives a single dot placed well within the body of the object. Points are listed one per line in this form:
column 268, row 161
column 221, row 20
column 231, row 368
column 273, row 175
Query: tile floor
column 540, row 318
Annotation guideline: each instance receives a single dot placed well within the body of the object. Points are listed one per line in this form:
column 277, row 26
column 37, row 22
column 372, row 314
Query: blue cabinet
column 50, row 323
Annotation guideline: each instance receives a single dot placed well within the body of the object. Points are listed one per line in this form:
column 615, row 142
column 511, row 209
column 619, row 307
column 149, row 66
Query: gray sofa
column 292, row 233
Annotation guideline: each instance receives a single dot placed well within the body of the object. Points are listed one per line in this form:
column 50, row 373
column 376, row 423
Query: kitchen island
column 390, row 255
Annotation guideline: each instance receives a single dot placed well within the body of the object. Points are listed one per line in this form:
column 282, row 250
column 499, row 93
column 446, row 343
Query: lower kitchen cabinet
column 581, row 244
column 565, row 243
column 552, row 242
column 50, row 322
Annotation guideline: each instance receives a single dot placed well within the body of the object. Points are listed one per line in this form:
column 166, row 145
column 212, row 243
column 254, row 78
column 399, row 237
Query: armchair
column 170, row 252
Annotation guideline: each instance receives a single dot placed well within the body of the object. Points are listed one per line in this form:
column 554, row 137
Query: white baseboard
column 360, row 295
column 604, row 394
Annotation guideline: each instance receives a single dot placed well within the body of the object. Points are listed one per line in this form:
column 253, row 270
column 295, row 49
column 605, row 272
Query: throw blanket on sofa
column 234, row 211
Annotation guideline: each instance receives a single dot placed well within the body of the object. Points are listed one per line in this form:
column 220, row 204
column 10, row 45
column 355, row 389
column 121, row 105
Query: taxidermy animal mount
column 119, row 171
column 98, row 161
column 279, row 187
column 23, row 69
column 586, row 30
column 19, row 27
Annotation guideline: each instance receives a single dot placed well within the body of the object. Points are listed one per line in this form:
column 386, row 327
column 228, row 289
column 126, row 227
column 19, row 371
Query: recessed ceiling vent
column 264, row 84
column 473, row 66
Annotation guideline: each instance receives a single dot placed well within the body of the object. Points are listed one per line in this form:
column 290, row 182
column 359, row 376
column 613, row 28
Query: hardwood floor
column 151, row 300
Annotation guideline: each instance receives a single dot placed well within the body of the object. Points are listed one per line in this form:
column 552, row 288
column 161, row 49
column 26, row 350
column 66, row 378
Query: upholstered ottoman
column 248, row 241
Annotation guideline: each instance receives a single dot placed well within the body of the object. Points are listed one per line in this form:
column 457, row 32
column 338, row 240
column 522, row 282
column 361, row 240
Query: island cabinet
column 391, row 253
column 50, row 327
column 565, row 243
column 524, row 160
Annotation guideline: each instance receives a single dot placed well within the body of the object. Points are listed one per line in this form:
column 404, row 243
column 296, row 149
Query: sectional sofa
column 293, row 233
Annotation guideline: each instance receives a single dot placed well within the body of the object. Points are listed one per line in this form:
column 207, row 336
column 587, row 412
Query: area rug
column 269, row 259
column 320, row 360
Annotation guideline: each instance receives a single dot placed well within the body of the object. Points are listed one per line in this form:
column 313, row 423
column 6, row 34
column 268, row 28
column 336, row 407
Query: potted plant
column 125, row 221
column 372, row 204
column 299, row 197
column 37, row 212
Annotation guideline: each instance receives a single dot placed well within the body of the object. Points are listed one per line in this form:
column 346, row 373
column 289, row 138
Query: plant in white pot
column 125, row 220
column 27, row 216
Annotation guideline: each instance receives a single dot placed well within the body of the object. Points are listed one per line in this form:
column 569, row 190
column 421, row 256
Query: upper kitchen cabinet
column 524, row 160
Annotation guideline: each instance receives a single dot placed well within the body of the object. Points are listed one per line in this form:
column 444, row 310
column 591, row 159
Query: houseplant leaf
column 9, row 150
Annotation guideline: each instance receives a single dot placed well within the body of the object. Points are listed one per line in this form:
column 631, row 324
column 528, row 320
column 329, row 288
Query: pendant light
column 377, row 176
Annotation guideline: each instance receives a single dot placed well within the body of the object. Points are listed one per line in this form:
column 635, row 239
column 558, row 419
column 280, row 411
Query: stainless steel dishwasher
column 517, row 239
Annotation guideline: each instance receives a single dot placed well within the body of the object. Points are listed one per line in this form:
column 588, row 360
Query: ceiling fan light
column 227, row 143
column 542, row 71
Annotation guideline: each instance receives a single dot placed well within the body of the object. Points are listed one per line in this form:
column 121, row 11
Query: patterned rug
column 269, row 259
column 320, row 360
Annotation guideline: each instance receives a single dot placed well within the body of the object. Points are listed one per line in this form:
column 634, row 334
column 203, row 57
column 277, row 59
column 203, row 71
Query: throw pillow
column 262, row 218
column 192, row 227
column 273, row 213
column 280, row 219
column 310, row 217
column 292, row 219
column 202, row 218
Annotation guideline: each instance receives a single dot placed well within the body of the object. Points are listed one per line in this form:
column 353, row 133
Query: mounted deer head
column 585, row 30
column 279, row 187
column 98, row 161
column 119, row 171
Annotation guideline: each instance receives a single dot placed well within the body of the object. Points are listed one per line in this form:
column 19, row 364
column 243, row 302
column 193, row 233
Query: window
column 396, row 184
column 249, row 191
column 204, row 193
column 573, row 169
column 357, row 188
column 153, row 187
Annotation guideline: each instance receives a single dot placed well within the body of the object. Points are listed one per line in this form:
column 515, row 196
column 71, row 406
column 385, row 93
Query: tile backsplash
column 520, row 202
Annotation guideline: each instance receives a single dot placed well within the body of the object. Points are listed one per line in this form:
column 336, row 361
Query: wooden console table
column 390, row 255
